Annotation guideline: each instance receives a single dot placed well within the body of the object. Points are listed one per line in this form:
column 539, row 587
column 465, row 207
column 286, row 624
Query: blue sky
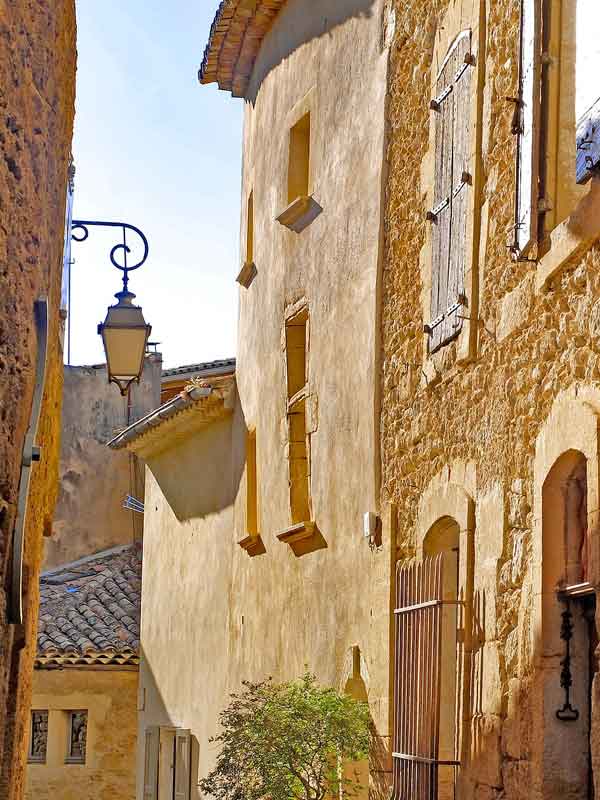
column 154, row 148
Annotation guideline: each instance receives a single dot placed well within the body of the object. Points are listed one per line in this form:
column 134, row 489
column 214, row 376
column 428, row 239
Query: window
column 248, row 271
column 251, row 485
column 452, row 186
column 587, row 92
column 38, row 737
column 77, row 741
column 558, row 127
column 167, row 763
column 250, row 229
column 299, row 159
column 296, row 362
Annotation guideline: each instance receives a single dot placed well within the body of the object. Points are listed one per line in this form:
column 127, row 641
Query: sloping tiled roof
column 90, row 610
column 236, row 35
column 204, row 368
column 198, row 405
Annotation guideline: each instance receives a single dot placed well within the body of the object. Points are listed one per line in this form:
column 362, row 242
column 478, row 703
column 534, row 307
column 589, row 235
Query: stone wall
column 37, row 88
column 477, row 423
column 110, row 698
column 93, row 479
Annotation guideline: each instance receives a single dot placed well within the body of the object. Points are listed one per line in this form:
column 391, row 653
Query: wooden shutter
column 452, row 187
column 418, row 679
column 182, row 765
column 527, row 129
column 166, row 764
column 151, row 744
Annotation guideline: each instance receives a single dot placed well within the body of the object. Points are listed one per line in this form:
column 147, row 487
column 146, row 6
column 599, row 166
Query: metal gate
column 418, row 672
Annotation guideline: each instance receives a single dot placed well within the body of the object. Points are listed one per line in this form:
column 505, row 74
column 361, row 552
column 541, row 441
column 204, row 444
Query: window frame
column 454, row 23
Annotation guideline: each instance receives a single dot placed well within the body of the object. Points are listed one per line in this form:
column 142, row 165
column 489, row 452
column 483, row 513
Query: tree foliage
column 287, row 742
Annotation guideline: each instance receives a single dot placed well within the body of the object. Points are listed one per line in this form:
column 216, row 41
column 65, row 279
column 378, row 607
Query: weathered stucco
column 37, row 88
column 110, row 697
column 94, row 480
column 490, row 426
column 212, row 615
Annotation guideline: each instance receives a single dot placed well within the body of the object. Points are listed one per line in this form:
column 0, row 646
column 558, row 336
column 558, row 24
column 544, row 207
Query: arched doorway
column 443, row 539
column 569, row 635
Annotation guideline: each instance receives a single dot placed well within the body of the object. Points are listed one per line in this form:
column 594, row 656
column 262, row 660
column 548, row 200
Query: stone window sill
column 247, row 274
column 300, row 213
column 253, row 545
column 302, row 537
column 570, row 240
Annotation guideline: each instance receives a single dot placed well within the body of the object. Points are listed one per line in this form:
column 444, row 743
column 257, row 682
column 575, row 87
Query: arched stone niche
column 564, row 553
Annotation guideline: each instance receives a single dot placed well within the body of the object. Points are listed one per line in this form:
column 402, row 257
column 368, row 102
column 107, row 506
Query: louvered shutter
column 421, row 654
column 166, row 764
column 151, row 744
column 452, row 187
column 527, row 128
column 182, row 765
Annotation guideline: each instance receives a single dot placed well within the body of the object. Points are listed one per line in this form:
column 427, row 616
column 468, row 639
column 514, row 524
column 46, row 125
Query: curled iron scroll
column 80, row 232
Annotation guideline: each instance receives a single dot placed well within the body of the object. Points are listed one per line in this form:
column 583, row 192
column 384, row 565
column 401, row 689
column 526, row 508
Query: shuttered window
column 526, row 127
column 182, row 765
column 151, row 746
column 452, row 187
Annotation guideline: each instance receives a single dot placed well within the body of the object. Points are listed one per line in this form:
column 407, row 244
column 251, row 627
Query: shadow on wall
column 301, row 28
column 200, row 475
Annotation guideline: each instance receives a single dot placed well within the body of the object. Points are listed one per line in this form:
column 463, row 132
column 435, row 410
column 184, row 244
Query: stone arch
column 564, row 554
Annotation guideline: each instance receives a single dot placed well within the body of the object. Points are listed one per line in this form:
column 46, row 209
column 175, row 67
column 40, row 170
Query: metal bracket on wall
column 567, row 713
column 31, row 454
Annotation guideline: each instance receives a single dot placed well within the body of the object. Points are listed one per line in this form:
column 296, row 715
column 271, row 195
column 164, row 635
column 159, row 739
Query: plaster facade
column 94, row 481
column 222, row 603
column 500, row 425
column 110, row 698
column 37, row 80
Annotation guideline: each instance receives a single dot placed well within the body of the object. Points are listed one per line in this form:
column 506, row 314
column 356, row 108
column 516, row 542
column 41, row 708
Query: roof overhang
column 188, row 412
column 71, row 659
column 236, row 36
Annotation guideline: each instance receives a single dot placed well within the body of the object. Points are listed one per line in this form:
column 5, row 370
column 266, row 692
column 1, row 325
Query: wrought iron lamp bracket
column 81, row 227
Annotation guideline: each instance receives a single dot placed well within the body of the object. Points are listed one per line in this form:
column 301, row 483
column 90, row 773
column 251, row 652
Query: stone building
column 491, row 396
column 93, row 481
column 255, row 557
column 37, row 80
column 83, row 721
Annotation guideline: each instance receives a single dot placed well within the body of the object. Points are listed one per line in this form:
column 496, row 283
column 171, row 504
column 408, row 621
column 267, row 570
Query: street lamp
column 124, row 335
column 124, row 332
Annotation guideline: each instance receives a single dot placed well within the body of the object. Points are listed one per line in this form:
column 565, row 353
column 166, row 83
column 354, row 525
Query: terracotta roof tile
column 90, row 611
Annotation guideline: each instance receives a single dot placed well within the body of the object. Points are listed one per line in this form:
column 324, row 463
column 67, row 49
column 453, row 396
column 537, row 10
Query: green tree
column 287, row 742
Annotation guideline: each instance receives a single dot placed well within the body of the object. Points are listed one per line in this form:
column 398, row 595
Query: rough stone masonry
column 37, row 91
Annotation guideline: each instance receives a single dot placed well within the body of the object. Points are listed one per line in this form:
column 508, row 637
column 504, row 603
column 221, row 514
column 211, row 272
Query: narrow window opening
column 250, row 230
column 299, row 159
column 251, row 485
column 299, row 469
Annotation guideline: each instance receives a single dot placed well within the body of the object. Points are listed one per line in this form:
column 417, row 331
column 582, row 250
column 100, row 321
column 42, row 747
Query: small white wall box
column 370, row 525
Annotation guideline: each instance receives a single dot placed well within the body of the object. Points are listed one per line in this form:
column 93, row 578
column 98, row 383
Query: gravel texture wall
column 475, row 422
column 37, row 88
